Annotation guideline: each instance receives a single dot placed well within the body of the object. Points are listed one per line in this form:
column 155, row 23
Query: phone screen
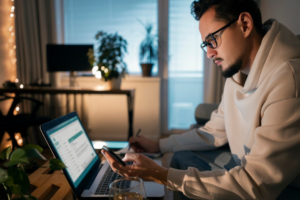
column 112, row 154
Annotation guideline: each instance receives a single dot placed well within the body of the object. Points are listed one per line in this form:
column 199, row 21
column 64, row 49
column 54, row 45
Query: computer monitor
column 68, row 57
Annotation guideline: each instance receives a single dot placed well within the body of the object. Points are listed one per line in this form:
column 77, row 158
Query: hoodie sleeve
column 208, row 137
column 265, row 171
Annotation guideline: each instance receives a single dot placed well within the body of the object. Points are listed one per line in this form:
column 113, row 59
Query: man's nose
column 211, row 52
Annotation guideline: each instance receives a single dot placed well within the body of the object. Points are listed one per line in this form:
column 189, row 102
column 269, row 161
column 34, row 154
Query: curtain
column 35, row 27
column 35, row 24
column 213, row 82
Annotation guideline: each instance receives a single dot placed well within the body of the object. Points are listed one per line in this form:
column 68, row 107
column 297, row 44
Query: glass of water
column 127, row 188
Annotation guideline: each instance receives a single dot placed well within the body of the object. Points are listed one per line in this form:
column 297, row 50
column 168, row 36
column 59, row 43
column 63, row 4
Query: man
column 259, row 115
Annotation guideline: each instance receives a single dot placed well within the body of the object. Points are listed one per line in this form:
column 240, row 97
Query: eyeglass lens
column 211, row 42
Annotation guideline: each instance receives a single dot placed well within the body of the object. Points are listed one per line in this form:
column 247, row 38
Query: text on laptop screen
column 74, row 148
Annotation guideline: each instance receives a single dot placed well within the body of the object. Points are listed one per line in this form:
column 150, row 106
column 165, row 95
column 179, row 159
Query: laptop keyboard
column 108, row 177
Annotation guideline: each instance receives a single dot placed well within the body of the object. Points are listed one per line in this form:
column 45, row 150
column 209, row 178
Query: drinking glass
column 127, row 188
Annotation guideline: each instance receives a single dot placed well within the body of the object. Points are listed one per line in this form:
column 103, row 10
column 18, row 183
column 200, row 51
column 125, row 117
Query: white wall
column 285, row 11
column 106, row 116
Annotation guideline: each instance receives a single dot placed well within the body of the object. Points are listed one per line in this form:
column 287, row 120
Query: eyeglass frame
column 205, row 44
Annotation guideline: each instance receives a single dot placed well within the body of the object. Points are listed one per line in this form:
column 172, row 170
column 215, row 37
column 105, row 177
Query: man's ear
column 246, row 22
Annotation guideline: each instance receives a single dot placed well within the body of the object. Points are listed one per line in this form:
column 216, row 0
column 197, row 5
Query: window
column 185, row 66
column 83, row 19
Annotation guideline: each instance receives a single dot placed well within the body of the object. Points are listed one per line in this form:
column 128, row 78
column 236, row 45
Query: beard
column 232, row 69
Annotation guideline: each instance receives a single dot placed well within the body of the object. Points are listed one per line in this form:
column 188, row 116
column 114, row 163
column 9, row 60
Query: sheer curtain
column 185, row 71
column 36, row 25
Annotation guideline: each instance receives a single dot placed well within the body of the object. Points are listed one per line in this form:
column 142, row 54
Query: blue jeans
column 220, row 158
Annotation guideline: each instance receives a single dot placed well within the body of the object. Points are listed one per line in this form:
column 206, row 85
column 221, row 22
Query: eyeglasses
column 214, row 39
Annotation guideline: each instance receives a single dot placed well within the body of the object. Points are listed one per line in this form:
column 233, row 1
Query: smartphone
column 112, row 154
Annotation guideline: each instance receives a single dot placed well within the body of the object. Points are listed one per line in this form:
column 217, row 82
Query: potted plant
column 110, row 63
column 14, row 180
column 148, row 51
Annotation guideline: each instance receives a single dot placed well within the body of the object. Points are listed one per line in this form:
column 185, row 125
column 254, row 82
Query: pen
column 137, row 134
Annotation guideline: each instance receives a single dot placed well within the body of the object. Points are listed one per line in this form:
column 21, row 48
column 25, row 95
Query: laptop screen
column 73, row 148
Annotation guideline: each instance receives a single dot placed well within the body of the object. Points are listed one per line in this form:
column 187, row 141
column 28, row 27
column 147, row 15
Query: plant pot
column 115, row 83
column 146, row 69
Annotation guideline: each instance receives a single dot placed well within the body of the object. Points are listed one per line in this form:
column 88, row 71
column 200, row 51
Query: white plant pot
column 115, row 83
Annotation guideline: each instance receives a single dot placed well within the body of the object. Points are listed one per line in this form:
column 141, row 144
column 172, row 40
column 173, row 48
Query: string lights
column 11, row 29
column 12, row 41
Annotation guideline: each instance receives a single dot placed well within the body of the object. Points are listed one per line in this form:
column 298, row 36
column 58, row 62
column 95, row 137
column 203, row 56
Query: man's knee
column 178, row 158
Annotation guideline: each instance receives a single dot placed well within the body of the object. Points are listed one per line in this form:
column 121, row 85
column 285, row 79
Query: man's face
column 229, row 53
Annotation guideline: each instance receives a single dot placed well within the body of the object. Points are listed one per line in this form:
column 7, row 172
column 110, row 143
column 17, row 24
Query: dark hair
column 228, row 10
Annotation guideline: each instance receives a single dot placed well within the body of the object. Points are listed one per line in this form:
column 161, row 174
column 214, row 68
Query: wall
column 285, row 11
column 106, row 116
column 7, row 69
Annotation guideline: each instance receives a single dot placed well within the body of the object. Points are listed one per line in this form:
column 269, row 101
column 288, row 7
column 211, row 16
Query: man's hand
column 142, row 167
column 141, row 144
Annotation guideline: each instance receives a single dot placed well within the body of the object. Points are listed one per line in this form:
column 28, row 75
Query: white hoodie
column 261, row 123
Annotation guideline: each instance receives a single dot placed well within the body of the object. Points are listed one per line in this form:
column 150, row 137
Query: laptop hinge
column 89, row 184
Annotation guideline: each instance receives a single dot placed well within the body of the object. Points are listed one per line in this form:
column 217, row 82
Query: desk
column 78, row 90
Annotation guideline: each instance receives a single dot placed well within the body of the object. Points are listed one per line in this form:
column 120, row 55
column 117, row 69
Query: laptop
column 88, row 176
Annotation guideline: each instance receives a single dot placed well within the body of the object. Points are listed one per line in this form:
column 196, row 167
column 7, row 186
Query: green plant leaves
column 16, row 157
column 34, row 153
column 3, row 175
column 15, row 180
column 111, row 50
column 56, row 164
column 17, row 154
column 33, row 146
column 5, row 153
column 20, row 183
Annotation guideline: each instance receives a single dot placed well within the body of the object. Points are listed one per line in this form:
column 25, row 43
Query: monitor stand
column 72, row 78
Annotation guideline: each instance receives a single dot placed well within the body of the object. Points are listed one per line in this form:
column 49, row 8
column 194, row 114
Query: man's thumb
column 129, row 157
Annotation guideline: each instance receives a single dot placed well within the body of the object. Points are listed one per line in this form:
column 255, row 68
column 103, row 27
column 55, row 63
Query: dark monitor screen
column 62, row 57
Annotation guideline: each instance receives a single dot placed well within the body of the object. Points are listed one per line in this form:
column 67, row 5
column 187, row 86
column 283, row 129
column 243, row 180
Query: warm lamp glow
column 17, row 108
column 21, row 86
column 98, row 75
column 19, row 139
column 95, row 69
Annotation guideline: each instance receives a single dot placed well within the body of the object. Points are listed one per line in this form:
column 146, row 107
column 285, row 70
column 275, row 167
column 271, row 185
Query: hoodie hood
column 277, row 38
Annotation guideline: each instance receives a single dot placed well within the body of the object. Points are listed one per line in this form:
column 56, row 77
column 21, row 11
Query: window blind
column 185, row 83
column 84, row 18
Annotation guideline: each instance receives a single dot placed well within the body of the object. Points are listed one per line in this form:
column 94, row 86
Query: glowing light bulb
column 18, row 109
column 17, row 80
column 98, row 74
column 21, row 86
column 12, row 9
column 95, row 69
column 102, row 68
column 11, row 15
column 106, row 70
